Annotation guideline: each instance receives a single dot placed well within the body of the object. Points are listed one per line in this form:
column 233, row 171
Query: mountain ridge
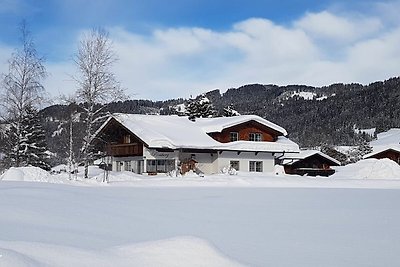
column 313, row 116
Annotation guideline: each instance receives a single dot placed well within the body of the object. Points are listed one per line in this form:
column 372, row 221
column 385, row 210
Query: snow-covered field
column 220, row 220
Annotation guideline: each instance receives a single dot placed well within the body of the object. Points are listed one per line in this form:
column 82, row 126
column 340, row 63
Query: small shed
column 389, row 151
column 309, row 162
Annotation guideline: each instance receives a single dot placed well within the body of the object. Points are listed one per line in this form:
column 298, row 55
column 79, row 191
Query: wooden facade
column 313, row 165
column 244, row 130
column 117, row 141
column 390, row 154
column 125, row 150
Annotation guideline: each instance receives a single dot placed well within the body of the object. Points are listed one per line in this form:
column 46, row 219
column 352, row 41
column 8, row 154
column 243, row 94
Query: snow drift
column 29, row 174
column 369, row 169
column 178, row 251
column 45, row 224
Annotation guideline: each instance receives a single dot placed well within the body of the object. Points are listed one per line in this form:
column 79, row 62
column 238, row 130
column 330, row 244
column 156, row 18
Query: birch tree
column 21, row 88
column 97, row 84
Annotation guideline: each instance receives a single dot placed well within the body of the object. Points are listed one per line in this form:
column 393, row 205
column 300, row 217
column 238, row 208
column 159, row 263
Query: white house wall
column 122, row 161
column 154, row 154
column 244, row 158
column 208, row 163
column 211, row 163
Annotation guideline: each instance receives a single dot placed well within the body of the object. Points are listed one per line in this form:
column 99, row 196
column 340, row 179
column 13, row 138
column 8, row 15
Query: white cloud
column 317, row 49
column 388, row 11
column 187, row 61
column 178, row 62
column 59, row 82
column 325, row 25
column 267, row 42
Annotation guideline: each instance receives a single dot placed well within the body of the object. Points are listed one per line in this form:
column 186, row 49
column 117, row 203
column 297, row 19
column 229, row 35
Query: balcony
column 125, row 150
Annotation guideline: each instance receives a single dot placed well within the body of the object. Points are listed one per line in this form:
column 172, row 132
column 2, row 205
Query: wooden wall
column 313, row 165
column 244, row 130
column 390, row 154
column 112, row 139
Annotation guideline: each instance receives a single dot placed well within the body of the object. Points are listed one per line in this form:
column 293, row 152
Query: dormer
column 248, row 131
column 241, row 128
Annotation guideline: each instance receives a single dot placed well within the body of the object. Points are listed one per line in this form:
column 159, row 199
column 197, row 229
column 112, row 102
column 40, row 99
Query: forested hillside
column 327, row 115
column 313, row 116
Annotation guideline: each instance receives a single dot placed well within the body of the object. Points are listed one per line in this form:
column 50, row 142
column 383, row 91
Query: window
column 255, row 166
column 127, row 166
column 257, row 137
column 127, row 139
column 160, row 165
column 118, row 166
column 235, row 164
column 151, row 165
column 234, row 136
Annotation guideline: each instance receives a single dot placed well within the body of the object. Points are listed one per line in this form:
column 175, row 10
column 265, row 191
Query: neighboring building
column 387, row 145
column 157, row 144
column 309, row 162
column 389, row 151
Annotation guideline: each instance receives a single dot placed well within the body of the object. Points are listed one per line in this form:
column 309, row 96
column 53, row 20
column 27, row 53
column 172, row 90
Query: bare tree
column 97, row 84
column 22, row 88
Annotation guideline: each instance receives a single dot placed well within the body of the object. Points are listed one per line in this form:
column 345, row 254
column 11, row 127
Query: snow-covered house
column 387, row 145
column 156, row 144
column 309, row 162
column 385, row 151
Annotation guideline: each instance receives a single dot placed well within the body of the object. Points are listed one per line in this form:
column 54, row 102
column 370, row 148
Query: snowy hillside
column 389, row 137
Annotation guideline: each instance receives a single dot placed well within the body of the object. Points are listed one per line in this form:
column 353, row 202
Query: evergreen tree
column 35, row 147
column 230, row 112
column 362, row 149
column 28, row 148
column 192, row 109
column 200, row 107
column 12, row 145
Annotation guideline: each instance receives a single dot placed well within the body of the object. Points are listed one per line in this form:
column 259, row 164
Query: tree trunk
column 71, row 151
column 86, row 169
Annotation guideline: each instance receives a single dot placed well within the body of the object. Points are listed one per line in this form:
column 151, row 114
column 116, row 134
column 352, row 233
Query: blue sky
column 181, row 48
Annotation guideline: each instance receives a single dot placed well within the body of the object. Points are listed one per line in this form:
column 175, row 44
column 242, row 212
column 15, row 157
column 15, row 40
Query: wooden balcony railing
column 124, row 150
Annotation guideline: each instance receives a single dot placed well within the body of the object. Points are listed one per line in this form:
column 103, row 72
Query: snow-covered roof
column 283, row 144
column 385, row 141
column 211, row 125
column 175, row 132
column 290, row 158
column 165, row 131
column 382, row 148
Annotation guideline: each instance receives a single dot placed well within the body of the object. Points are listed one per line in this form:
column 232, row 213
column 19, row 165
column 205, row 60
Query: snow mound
column 25, row 174
column 179, row 251
column 14, row 259
column 369, row 169
column 60, row 168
